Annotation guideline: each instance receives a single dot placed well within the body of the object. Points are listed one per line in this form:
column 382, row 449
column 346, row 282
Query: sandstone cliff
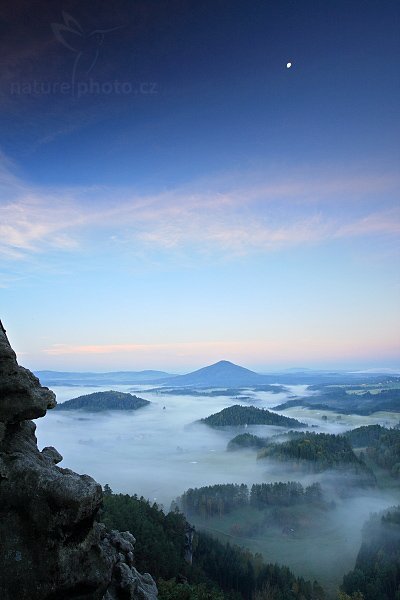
column 51, row 546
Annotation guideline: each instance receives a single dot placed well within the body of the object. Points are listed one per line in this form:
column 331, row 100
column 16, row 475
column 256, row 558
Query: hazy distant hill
column 50, row 378
column 100, row 401
column 220, row 374
column 249, row 415
column 341, row 401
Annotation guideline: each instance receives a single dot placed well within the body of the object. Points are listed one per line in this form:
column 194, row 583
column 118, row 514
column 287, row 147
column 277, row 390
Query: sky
column 172, row 194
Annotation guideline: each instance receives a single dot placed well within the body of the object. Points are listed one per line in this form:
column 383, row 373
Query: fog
column 154, row 452
column 160, row 452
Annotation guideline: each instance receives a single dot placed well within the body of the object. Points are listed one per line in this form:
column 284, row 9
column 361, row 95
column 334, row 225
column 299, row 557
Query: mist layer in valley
column 156, row 452
column 159, row 451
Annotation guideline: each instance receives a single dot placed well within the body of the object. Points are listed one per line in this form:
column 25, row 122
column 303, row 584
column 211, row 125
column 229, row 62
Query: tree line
column 284, row 494
column 218, row 500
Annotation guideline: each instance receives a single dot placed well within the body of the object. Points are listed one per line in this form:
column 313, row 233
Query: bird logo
column 85, row 45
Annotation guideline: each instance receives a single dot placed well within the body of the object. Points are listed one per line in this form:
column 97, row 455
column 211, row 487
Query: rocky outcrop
column 52, row 546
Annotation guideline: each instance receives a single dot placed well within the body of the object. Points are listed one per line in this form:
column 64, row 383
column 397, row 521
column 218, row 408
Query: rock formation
column 51, row 545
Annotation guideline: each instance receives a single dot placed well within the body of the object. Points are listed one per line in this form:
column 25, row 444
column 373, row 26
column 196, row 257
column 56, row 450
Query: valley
column 166, row 448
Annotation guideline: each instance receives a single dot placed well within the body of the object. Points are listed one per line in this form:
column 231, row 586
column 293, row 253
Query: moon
column 288, row 65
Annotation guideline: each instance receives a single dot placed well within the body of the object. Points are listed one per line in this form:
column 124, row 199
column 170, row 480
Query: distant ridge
column 50, row 378
column 220, row 374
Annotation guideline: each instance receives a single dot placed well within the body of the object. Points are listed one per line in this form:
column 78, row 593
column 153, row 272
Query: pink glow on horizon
column 188, row 355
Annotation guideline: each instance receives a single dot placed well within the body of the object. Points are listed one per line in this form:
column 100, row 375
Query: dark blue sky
column 213, row 90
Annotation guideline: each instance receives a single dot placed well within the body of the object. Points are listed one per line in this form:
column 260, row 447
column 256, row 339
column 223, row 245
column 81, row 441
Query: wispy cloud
column 387, row 222
column 30, row 224
column 214, row 216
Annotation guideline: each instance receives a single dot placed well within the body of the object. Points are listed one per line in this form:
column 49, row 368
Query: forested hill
column 100, row 401
column 319, row 451
column 246, row 440
column 249, row 415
